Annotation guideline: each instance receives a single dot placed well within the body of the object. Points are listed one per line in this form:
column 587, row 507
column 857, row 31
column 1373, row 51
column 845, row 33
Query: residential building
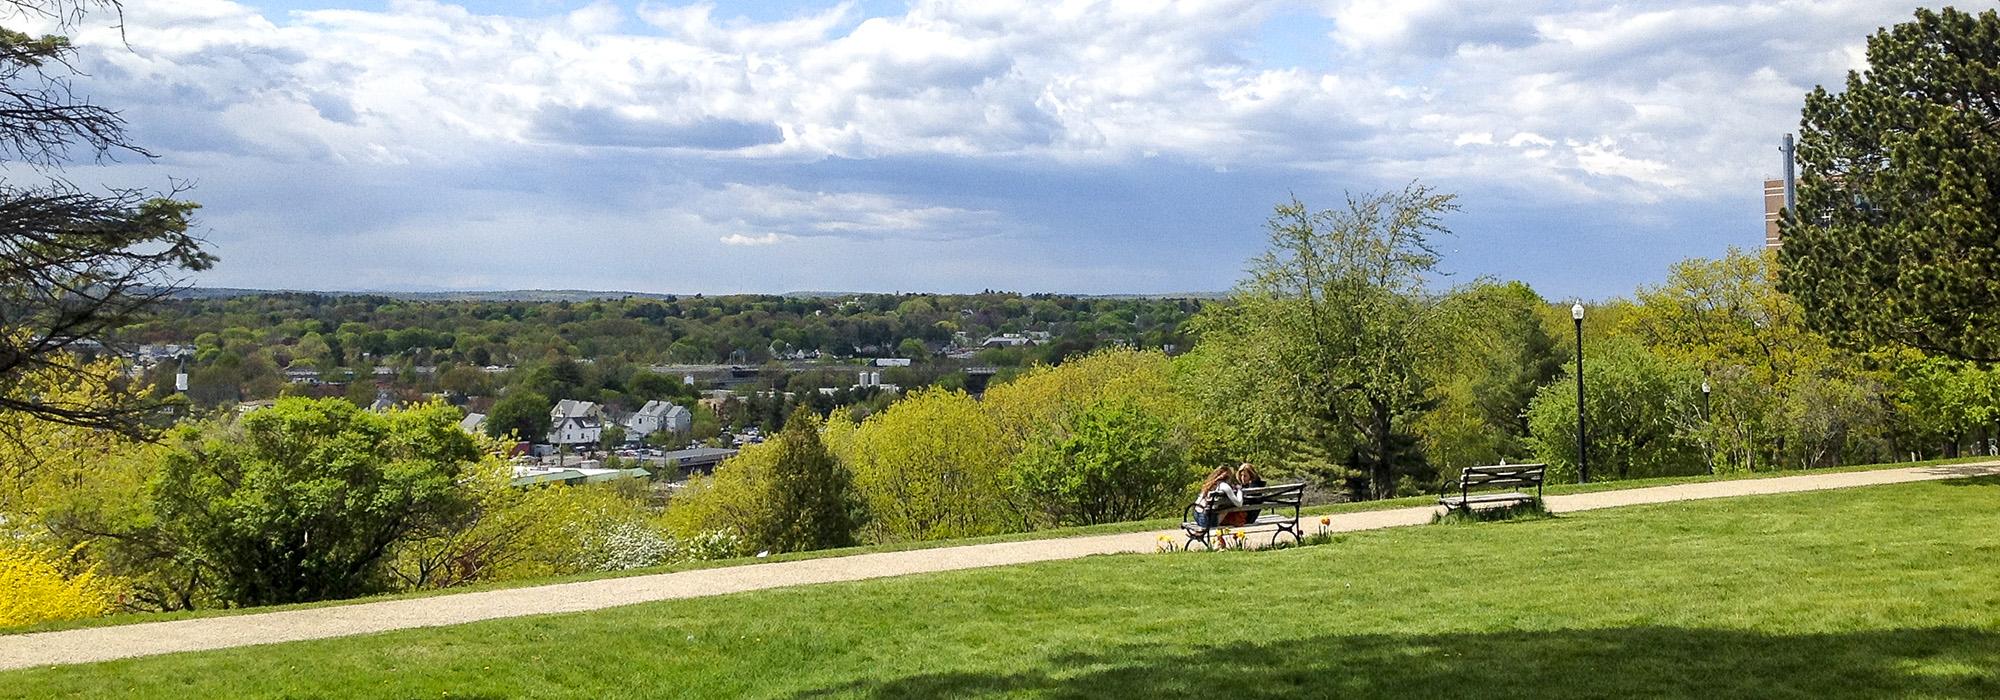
column 656, row 416
column 300, row 374
column 474, row 423
column 1008, row 340
column 574, row 422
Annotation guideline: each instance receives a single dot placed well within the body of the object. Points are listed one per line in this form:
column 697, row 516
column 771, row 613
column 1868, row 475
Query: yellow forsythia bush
column 37, row 588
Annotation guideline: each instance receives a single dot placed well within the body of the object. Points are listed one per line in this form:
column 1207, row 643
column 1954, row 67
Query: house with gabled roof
column 656, row 416
column 574, row 422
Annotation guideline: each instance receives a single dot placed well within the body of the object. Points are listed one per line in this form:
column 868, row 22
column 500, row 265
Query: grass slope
column 1881, row 591
column 1053, row 533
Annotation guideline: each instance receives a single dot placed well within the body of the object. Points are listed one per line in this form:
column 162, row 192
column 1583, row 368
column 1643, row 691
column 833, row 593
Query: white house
column 574, row 422
column 1008, row 340
column 656, row 416
column 301, row 374
column 474, row 423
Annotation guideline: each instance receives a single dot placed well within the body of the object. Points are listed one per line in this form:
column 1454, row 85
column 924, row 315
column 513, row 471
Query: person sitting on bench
column 1217, row 492
column 1246, row 478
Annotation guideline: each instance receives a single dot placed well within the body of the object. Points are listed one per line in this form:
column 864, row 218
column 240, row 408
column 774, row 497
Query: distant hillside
column 545, row 295
column 537, row 295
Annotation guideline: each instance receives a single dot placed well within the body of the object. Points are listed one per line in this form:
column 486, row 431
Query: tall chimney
column 1791, row 175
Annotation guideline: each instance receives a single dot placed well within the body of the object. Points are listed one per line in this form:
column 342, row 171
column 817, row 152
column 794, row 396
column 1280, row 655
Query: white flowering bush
column 713, row 544
column 622, row 545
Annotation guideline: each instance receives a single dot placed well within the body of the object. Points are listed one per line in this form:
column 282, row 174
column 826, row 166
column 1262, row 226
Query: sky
column 1123, row 146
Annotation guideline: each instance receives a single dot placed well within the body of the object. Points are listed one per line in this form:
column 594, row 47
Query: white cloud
column 724, row 128
column 1679, row 84
column 850, row 215
column 741, row 239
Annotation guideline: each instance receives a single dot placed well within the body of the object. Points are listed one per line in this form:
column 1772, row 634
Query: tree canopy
column 1896, row 237
column 303, row 501
column 1326, row 339
column 74, row 264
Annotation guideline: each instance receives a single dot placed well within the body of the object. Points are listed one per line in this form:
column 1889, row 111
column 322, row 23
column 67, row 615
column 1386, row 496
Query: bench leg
column 1192, row 538
column 1287, row 529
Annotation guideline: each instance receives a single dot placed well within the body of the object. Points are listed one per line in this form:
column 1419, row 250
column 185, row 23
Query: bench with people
column 1236, row 502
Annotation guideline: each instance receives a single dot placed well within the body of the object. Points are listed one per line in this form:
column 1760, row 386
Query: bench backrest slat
column 1279, row 490
column 1502, row 475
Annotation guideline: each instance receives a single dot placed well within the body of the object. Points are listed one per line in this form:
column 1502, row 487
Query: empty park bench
column 1273, row 508
column 1499, row 476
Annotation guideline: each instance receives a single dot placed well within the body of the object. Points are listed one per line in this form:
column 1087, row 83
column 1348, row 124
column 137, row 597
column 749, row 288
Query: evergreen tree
column 812, row 495
column 1897, row 232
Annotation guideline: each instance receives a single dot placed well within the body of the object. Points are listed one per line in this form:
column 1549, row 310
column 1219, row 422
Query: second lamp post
column 1582, row 445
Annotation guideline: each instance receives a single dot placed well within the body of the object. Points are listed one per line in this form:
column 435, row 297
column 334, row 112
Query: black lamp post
column 1704, row 399
column 1582, row 445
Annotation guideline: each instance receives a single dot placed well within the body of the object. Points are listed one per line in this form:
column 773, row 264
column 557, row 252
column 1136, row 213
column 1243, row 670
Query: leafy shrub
column 931, row 467
column 305, row 500
column 40, row 587
column 1637, row 404
column 1114, row 462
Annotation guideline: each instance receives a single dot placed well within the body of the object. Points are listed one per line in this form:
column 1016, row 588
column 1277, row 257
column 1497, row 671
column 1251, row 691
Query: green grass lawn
column 1871, row 592
column 1082, row 531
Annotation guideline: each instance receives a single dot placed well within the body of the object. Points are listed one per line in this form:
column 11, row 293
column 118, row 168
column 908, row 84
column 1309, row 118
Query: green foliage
column 520, row 415
column 1636, row 401
column 1781, row 395
column 1942, row 401
column 812, row 494
column 1489, row 371
column 1112, row 462
column 735, row 501
column 788, row 494
column 78, row 265
column 611, row 437
column 1897, row 211
column 1047, row 397
column 304, row 501
column 931, row 467
column 548, row 342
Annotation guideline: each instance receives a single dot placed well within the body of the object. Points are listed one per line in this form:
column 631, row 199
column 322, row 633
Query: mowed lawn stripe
column 1863, row 592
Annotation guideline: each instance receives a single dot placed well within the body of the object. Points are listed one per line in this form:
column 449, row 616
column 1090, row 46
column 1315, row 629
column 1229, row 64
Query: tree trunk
column 1381, row 479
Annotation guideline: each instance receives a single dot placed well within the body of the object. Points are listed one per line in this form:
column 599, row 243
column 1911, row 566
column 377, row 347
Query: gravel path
column 145, row 639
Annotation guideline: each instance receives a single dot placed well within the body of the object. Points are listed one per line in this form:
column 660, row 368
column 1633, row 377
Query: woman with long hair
column 1246, row 478
column 1217, row 492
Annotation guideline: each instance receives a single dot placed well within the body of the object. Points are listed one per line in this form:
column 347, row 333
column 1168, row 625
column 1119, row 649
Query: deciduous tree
column 1111, row 462
column 305, row 500
column 1329, row 334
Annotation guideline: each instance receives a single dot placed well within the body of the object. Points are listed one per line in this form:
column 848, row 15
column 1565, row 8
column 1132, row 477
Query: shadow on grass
column 1974, row 481
column 1609, row 663
column 1526, row 510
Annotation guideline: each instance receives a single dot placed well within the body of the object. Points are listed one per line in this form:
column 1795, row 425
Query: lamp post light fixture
column 1704, row 399
column 1582, row 444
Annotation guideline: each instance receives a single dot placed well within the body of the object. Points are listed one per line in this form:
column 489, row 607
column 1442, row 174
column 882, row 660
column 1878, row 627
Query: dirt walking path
column 145, row 639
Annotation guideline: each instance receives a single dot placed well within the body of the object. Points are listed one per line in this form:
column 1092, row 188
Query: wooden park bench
column 1274, row 509
column 1499, row 476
